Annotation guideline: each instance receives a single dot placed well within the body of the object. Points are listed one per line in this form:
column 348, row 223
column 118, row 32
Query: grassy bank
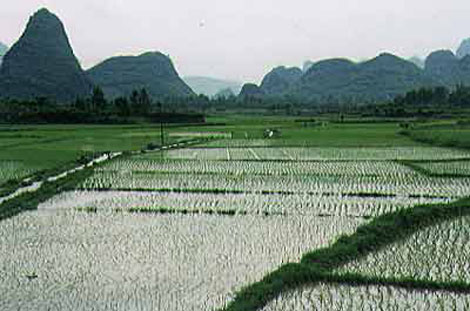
column 318, row 265
column 444, row 135
column 31, row 200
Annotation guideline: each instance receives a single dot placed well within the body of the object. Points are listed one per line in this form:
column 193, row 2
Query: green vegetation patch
column 368, row 296
column 438, row 253
column 318, row 265
column 447, row 135
column 31, row 200
column 449, row 169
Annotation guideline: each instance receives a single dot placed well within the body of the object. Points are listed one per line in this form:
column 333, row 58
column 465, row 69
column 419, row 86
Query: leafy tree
column 441, row 95
column 134, row 101
column 460, row 97
column 144, row 102
column 80, row 104
column 122, row 107
column 98, row 100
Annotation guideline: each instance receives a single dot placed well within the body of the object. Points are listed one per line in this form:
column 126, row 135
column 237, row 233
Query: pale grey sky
column 243, row 39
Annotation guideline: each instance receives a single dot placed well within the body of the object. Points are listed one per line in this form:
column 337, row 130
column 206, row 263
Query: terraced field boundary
column 229, row 212
column 317, row 266
column 30, row 200
column 11, row 186
column 414, row 165
column 263, row 192
column 430, row 135
column 326, row 160
column 48, row 189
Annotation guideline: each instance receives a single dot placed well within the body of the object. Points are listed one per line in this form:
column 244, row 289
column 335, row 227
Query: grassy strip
column 414, row 166
column 226, row 212
column 263, row 192
column 326, row 160
column 418, row 169
column 169, row 190
column 329, row 160
column 179, row 144
column 36, row 142
column 167, row 210
column 288, row 276
column 294, row 275
column 427, row 136
column 242, row 174
column 317, row 265
column 463, row 159
column 31, row 200
column 384, row 230
column 12, row 185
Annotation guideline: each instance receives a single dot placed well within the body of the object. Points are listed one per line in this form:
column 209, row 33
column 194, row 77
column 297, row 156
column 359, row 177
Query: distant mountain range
column 3, row 50
column 380, row 78
column 251, row 90
column 42, row 63
column 225, row 93
column 464, row 49
column 280, row 80
column 307, row 65
column 211, row 86
column 447, row 69
column 119, row 76
column 418, row 61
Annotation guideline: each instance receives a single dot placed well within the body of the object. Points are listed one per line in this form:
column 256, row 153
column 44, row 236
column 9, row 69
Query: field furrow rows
column 398, row 153
column 340, row 297
column 422, row 186
column 80, row 261
column 438, row 253
column 246, row 203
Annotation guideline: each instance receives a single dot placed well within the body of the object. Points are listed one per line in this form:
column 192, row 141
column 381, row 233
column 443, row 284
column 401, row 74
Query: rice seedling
column 325, row 296
column 14, row 170
column 295, row 204
column 315, row 153
column 152, row 163
column 448, row 168
column 185, row 229
column 84, row 261
column 238, row 143
column 412, row 185
column 438, row 253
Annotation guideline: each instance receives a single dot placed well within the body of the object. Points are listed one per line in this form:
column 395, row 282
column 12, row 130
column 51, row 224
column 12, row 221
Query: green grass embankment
column 318, row 266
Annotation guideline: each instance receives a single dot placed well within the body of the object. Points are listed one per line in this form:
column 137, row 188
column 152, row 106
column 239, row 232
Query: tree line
column 437, row 96
column 139, row 106
column 96, row 108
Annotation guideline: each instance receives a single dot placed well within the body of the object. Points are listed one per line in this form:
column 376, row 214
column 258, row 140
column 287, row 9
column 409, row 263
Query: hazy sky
column 243, row 39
